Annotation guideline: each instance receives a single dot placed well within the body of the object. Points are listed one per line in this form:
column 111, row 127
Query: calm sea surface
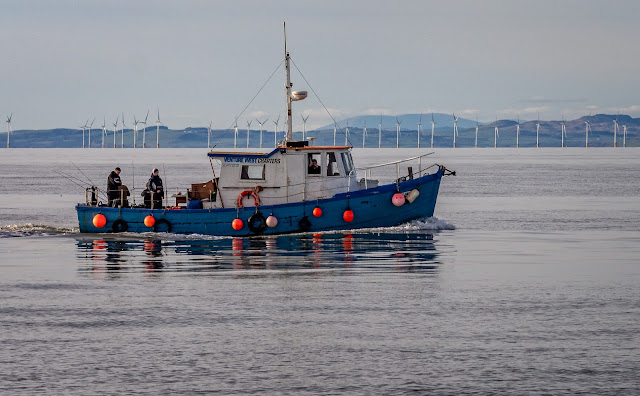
column 526, row 282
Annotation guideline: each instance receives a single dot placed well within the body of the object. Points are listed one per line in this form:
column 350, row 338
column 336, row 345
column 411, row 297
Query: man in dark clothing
column 113, row 187
column 154, row 185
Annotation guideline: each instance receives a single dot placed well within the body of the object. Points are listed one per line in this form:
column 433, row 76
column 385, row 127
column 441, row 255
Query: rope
column 249, row 104
column 320, row 100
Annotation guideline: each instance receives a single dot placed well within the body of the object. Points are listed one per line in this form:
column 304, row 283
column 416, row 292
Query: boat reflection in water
column 406, row 252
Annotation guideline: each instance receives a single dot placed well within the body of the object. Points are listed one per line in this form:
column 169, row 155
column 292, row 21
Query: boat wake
column 431, row 224
column 29, row 229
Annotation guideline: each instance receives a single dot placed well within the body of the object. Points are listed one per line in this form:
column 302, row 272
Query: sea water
column 526, row 281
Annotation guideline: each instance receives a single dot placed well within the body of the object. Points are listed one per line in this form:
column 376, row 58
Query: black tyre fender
column 120, row 226
column 160, row 222
column 304, row 224
column 257, row 223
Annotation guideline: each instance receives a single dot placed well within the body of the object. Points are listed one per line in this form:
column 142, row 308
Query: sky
column 199, row 62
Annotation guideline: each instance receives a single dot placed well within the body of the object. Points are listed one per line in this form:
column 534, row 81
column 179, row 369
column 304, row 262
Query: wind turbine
column 122, row 133
column 398, row 132
column 115, row 126
column 304, row 127
column 261, row 124
column 209, row 135
column 615, row 130
column 235, row 134
column 380, row 132
column 248, row 129
column 158, row 123
column 455, row 129
column 538, row 131
column 9, row 130
column 94, row 119
column 433, row 127
column 564, row 131
column 477, row 127
column 275, row 131
column 346, row 134
column 83, row 129
column 624, row 136
column 518, row 133
column 135, row 131
column 144, row 130
column 364, row 134
column 104, row 130
column 419, row 123
column 335, row 129
column 587, row 127
column 496, row 135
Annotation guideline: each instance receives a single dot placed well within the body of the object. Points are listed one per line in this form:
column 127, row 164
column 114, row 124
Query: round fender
column 161, row 224
column 257, row 223
column 304, row 224
column 120, row 226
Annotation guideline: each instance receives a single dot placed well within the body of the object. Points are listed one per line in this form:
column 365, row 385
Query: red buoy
column 237, row 224
column 99, row 220
column 397, row 199
column 348, row 215
column 149, row 221
column 317, row 212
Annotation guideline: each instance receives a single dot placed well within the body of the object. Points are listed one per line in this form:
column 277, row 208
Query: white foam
column 29, row 229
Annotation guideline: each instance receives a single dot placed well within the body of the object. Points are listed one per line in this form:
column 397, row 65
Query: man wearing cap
column 154, row 185
column 113, row 186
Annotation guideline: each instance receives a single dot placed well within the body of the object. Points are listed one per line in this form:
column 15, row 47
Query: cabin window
column 313, row 164
column 346, row 161
column 252, row 172
column 333, row 169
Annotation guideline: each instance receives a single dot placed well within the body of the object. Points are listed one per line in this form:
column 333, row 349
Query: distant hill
column 601, row 134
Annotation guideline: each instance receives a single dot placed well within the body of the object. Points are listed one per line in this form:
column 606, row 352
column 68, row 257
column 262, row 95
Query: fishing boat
column 295, row 187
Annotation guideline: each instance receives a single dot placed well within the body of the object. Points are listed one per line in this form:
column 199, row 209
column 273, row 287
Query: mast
column 288, row 86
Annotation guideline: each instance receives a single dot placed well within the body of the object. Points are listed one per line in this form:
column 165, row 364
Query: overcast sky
column 64, row 61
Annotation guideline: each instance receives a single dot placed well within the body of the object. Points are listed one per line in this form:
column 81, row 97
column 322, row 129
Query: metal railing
column 367, row 170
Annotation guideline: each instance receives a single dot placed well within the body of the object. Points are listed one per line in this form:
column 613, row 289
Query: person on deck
column 113, row 187
column 154, row 185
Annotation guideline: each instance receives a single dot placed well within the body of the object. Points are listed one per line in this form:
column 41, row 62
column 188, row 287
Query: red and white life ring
column 247, row 193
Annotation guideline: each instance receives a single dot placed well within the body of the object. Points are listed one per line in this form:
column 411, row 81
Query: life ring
column 160, row 222
column 256, row 199
column 257, row 223
column 120, row 226
column 304, row 224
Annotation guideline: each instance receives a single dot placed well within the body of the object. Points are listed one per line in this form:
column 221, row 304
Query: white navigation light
column 298, row 95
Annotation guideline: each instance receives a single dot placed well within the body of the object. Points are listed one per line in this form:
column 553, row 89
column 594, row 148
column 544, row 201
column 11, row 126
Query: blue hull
column 371, row 208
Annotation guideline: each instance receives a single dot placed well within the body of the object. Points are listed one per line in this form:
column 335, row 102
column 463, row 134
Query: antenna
column 398, row 132
column 248, row 129
column 304, row 126
column 419, row 123
column 538, row 132
column 455, row 129
column 9, row 131
column 261, row 124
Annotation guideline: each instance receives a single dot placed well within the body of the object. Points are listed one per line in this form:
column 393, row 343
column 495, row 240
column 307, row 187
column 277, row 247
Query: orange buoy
column 397, row 199
column 348, row 215
column 317, row 212
column 149, row 221
column 237, row 224
column 99, row 220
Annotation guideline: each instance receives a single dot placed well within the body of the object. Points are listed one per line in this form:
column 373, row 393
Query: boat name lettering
column 253, row 160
